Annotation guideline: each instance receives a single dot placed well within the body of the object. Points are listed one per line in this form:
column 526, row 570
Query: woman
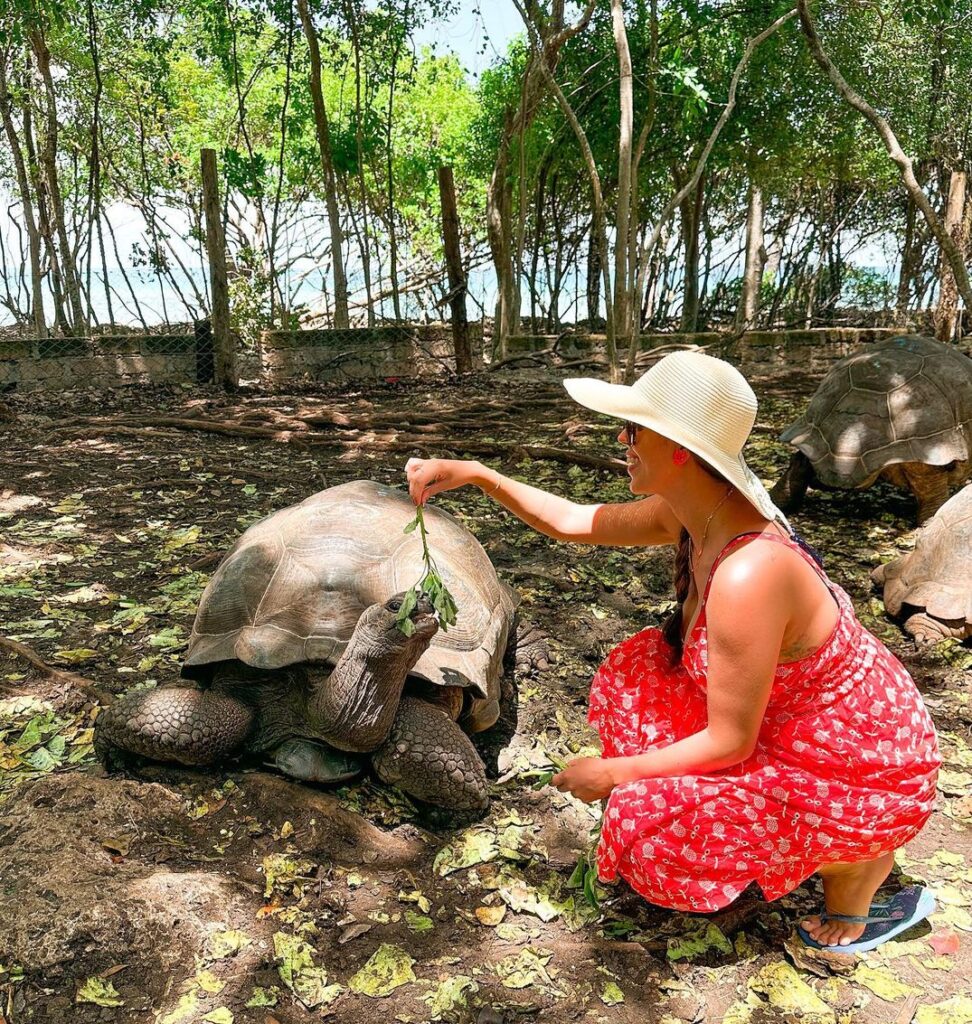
column 763, row 734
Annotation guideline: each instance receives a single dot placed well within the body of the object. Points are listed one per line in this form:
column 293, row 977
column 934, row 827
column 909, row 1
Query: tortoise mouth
column 426, row 624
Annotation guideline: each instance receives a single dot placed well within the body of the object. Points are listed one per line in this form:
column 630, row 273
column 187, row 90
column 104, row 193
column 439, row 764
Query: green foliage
column 177, row 76
column 430, row 585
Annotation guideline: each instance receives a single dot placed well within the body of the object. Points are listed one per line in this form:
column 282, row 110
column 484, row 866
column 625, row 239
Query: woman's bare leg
column 848, row 889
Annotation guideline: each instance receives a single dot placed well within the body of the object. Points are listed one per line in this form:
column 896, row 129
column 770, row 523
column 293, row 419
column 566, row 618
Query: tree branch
column 652, row 240
column 950, row 250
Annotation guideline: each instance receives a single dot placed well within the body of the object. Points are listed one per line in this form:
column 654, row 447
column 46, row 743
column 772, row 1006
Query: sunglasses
column 631, row 432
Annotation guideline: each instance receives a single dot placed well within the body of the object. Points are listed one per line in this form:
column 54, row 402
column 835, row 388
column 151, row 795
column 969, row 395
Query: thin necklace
column 705, row 531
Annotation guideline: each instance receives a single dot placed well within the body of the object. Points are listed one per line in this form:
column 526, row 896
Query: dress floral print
column 844, row 768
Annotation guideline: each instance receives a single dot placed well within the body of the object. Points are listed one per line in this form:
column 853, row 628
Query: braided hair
column 682, row 578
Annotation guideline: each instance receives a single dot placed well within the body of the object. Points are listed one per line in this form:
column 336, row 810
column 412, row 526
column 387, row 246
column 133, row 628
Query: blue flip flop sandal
column 903, row 911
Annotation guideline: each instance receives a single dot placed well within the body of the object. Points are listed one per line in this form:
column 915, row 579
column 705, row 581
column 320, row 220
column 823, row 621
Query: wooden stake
column 224, row 348
column 457, row 279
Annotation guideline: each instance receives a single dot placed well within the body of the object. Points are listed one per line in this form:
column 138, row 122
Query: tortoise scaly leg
column 429, row 757
column 791, row 488
column 172, row 723
column 927, row 630
column 930, row 486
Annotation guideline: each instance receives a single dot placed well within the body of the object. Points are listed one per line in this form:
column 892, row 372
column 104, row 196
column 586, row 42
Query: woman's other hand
column 587, row 778
column 427, row 477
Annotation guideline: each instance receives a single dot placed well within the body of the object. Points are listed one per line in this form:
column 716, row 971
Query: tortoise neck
column 356, row 705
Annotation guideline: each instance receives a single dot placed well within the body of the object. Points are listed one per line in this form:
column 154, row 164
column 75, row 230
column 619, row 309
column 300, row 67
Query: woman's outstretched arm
column 631, row 523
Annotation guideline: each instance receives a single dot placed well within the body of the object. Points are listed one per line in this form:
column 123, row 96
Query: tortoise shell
column 292, row 588
column 937, row 574
column 906, row 399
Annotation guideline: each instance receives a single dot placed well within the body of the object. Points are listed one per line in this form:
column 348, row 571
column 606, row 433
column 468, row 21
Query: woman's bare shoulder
column 766, row 573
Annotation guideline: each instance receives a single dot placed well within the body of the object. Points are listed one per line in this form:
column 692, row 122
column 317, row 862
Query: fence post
column 224, row 348
column 457, row 280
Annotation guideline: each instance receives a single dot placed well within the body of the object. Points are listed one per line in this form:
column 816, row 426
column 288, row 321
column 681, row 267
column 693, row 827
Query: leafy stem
column 430, row 583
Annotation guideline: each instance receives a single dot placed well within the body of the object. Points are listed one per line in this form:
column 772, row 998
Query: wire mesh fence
column 186, row 356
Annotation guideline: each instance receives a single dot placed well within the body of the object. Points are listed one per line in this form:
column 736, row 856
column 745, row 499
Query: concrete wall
column 847, row 338
column 327, row 355
column 100, row 362
column 397, row 351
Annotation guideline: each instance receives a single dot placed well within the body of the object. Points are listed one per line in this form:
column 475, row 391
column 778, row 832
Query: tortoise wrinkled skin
column 295, row 642
column 901, row 409
column 931, row 586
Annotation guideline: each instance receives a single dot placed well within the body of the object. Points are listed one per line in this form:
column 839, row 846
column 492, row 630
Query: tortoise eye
column 395, row 604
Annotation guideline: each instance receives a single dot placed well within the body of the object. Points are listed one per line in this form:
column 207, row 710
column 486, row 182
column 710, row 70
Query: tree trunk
column 755, row 259
column 224, row 349
column 593, row 281
column 352, row 19
column 910, row 258
column 457, row 276
column 623, row 321
column 651, row 239
column 48, row 155
column 691, row 221
column 548, row 38
column 341, row 320
column 950, row 250
column 61, row 320
column 499, row 232
column 946, row 313
column 392, row 232
column 26, row 199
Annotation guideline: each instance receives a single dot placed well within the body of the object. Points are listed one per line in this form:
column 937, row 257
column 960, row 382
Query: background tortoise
column 295, row 642
column 932, row 585
column 901, row 410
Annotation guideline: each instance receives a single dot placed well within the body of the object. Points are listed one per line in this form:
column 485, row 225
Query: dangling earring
column 680, row 456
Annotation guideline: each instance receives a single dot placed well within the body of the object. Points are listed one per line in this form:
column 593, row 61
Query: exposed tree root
column 540, row 452
column 68, row 679
column 398, row 443
column 206, row 560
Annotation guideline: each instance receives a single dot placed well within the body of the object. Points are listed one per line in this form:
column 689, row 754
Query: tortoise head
column 378, row 636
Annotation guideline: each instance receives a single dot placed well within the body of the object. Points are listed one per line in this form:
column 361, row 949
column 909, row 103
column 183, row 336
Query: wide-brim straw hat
column 702, row 403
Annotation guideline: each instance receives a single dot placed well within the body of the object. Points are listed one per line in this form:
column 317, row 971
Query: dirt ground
column 236, row 895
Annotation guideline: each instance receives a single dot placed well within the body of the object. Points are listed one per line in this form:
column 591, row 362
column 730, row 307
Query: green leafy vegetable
column 430, row 584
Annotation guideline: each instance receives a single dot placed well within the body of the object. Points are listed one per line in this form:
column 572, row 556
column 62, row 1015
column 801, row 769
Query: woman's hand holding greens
column 428, row 477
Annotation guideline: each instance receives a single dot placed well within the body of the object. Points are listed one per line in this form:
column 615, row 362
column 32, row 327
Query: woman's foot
column 848, row 889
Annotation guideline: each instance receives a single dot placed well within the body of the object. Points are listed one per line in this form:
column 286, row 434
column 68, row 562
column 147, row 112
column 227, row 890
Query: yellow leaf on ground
column 99, row 992
column 957, row 1010
column 221, row 1015
column 76, row 656
column 224, row 944
column 881, row 982
column 184, row 1010
column 698, row 941
column 525, row 968
column 787, row 991
column 449, row 995
column 491, row 916
column 208, row 981
column 388, row 969
column 611, row 994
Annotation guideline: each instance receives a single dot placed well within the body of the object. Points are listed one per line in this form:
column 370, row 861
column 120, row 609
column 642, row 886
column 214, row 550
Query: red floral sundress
column 844, row 768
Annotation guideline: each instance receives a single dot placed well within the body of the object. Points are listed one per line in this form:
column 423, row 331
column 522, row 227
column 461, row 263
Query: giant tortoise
column 901, row 409
column 295, row 651
column 932, row 585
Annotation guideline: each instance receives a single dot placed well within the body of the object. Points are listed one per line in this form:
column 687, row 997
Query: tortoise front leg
column 429, row 757
column 172, row 723
column 930, row 486
column 927, row 630
column 791, row 488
